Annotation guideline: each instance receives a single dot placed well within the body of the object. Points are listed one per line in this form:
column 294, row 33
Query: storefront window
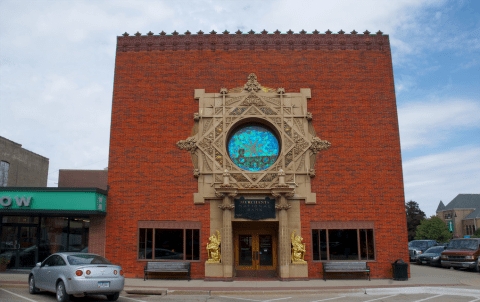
column 78, row 235
column 170, row 244
column 20, row 219
column 27, row 241
column 343, row 244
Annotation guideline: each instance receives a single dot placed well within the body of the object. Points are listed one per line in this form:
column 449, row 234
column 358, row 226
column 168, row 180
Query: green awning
column 54, row 201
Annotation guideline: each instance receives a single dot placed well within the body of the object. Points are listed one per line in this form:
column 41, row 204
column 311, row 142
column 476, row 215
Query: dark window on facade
column 170, row 244
column 343, row 244
column 4, row 167
column 39, row 237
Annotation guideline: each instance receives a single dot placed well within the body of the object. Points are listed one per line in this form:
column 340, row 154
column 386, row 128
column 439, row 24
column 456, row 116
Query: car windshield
column 463, row 245
column 81, row 259
column 419, row 244
column 435, row 250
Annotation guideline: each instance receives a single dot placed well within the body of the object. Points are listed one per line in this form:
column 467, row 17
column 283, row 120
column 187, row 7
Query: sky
column 57, row 66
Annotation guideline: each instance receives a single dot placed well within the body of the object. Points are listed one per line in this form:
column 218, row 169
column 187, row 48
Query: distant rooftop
column 465, row 201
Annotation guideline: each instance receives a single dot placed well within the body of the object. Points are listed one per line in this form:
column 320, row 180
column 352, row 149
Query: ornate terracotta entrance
column 255, row 245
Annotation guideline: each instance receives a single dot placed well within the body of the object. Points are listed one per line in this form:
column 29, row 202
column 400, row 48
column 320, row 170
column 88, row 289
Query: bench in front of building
column 345, row 267
column 167, row 267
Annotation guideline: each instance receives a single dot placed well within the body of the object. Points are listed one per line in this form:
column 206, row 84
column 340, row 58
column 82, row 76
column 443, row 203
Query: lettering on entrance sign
column 6, row 201
column 254, row 209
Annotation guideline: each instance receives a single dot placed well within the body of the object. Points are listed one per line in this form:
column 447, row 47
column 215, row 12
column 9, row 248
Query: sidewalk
column 421, row 276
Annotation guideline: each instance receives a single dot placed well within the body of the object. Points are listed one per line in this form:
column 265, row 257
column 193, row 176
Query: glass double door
column 18, row 243
column 255, row 251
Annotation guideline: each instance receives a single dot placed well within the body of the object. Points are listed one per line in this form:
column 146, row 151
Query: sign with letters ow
column 6, row 201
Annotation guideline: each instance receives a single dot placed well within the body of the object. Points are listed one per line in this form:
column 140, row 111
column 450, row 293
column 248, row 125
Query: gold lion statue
column 298, row 248
column 213, row 248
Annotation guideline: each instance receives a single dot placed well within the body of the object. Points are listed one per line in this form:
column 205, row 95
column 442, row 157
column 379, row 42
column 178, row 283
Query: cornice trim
column 252, row 41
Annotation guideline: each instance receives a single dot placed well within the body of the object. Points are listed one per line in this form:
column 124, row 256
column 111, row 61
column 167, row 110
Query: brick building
column 76, row 178
column 255, row 140
column 462, row 214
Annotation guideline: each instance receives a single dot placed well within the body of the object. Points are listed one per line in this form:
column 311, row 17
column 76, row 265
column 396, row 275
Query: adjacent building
column 36, row 221
column 20, row 167
column 76, row 178
column 462, row 214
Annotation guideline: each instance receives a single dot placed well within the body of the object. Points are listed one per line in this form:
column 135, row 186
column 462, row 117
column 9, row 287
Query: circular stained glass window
column 253, row 148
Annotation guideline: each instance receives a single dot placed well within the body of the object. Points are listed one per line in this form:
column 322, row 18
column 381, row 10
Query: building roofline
column 253, row 41
column 20, row 146
column 52, row 189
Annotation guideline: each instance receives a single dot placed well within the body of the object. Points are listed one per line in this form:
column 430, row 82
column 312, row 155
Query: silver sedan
column 77, row 274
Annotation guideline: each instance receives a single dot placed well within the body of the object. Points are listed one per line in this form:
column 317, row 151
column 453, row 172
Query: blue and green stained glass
column 253, row 148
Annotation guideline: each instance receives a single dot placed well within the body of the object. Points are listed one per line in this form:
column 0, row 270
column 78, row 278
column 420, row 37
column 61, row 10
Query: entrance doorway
column 19, row 244
column 255, row 246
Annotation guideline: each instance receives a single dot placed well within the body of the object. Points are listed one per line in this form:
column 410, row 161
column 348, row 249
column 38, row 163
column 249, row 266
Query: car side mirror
column 38, row 264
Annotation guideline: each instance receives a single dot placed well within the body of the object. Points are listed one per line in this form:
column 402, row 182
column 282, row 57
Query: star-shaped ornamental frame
column 220, row 114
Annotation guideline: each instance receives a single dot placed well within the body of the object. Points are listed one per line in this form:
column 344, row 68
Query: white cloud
column 432, row 123
column 431, row 178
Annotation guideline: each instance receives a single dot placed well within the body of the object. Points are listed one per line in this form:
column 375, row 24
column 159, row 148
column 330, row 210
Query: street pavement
column 425, row 284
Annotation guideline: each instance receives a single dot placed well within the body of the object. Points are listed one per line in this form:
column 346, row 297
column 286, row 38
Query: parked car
column 431, row 256
column 462, row 253
column 71, row 273
column 417, row 247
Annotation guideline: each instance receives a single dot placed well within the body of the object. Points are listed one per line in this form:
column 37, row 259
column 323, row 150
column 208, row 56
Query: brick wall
column 353, row 105
column 83, row 179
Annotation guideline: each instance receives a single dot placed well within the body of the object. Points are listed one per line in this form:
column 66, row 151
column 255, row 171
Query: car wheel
column 61, row 293
column 31, row 286
column 113, row 297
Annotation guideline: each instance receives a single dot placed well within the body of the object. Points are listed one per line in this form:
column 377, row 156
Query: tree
column 476, row 234
column 433, row 228
column 414, row 218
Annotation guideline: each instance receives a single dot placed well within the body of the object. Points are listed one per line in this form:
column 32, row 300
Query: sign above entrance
column 254, row 209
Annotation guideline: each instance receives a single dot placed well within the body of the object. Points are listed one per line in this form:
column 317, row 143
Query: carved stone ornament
column 213, row 248
column 218, row 194
column 283, row 207
column 221, row 174
column 252, row 84
column 311, row 173
column 229, row 207
column 318, row 145
column 189, row 144
column 298, row 249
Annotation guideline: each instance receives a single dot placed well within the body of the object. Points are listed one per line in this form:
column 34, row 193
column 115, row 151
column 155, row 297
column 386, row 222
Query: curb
column 160, row 291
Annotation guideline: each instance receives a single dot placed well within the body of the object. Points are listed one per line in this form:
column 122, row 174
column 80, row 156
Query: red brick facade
column 353, row 103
